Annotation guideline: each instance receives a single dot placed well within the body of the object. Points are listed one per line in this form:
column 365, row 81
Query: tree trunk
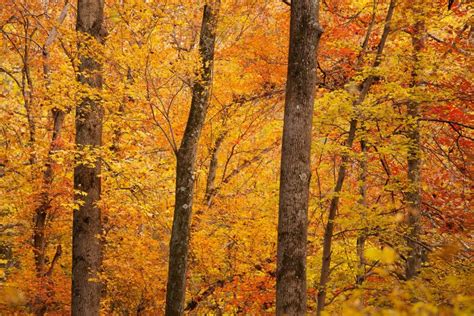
column 186, row 159
column 363, row 204
column 86, row 245
column 327, row 243
column 211, row 175
column 413, row 195
column 117, row 135
column 41, row 212
column 305, row 33
column 27, row 92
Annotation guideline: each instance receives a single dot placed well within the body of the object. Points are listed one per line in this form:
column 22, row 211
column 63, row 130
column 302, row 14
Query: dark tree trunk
column 305, row 33
column 186, row 159
column 86, row 245
column 327, row 243
column 413, row 195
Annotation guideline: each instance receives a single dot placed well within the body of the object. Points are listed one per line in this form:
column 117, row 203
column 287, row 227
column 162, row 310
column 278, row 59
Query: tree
column 413, row 195
column 329, row 230
column 185, row 166
column 87, row 226
column 295, row 175
column 41, row 212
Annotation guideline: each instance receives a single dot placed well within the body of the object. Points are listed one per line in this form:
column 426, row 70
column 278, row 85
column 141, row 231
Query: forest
column 236, row 157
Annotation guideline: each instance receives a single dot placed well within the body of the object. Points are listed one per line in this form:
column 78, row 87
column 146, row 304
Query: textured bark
column 86, row 243
column 328, row 233
column 186, row 160
column 413, row 196
column 295, row 173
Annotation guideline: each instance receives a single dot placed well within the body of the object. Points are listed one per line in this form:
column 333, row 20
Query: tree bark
column 295, row 173
column 87, row 227
column 413, row 195
column 186, row 160
column 327, row 243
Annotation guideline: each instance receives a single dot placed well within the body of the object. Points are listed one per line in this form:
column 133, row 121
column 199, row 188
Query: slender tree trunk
column 186, row 159
column 305, row 33
column 86, row 245
column 117, row 135
column 27, row 92
column 211, row 175
column 363, row 203
column 41, row 212
column 327, row 243
column 413, row 196
column 58, row 118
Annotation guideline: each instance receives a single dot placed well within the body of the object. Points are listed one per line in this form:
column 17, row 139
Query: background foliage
column 150, row 60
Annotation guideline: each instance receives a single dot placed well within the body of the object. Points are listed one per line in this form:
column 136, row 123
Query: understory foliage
column 150, row 61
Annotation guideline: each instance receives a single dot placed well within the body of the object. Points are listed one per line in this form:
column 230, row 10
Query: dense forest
column 222, row 157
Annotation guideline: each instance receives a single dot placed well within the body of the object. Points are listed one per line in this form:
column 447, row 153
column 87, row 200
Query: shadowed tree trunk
column 305, row 33
column 327, row 243
column 186, row 160
column 213, row 164
column 363, row 204
column 87, row 227
column 413, row 195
